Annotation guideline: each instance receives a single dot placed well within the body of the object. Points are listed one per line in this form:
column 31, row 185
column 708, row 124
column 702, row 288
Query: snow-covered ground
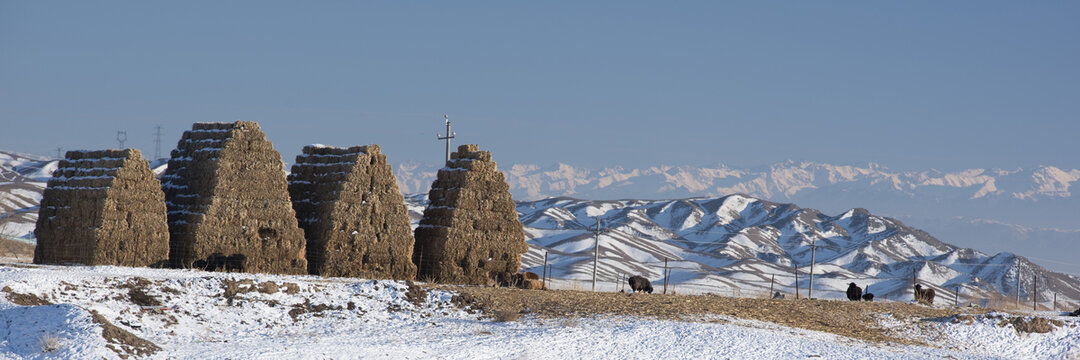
column 312, row 317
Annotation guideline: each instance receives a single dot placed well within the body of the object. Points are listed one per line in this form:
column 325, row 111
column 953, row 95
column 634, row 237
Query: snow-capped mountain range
column 715, row 243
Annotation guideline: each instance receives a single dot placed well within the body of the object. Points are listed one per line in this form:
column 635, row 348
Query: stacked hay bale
column 102, row 208
column 470, row 232
column 352, row 213
column 227, row 199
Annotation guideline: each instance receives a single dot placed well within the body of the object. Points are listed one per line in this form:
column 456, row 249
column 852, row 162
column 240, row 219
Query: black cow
column 854, row 292
column 235, row 262
column 924, row 296
column 638, row 283
column 215, row 261
column 868, row 297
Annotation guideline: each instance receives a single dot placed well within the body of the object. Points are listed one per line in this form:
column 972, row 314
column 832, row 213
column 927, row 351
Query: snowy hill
column 738, row 243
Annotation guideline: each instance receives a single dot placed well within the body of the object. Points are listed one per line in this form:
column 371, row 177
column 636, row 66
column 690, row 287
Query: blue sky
column 910, row 85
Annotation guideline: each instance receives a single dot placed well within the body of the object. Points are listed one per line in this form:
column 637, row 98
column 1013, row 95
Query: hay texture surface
column 352, row 212
column 470, row 232
column 102, row 208
column 226, row 195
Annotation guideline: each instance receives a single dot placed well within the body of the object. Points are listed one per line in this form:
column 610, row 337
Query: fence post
column 956, row 301
column 665, row 275
column 796, row 282
column 1035, row 293
column 545, row 269
column 771, row 285
column 420, row 262
column 1055, row 302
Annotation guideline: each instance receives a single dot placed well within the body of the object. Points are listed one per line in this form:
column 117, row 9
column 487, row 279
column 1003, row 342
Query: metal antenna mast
column 449, row 135
column 157, row 142
column 596, row 252
column 121, row 137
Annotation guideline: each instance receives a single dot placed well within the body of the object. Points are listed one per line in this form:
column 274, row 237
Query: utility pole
column 1017, row 282
column 157, row 142
column 596, row 253
column 813, row 247
column 121, row 137
column 449, row 135
column 1035, row 292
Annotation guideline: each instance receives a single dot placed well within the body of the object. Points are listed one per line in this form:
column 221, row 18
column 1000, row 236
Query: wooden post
column 956, row 301
column 1055, row 302
column 420, row 262
column 1018, row 283
column 914, row 281
column 545, row 269
column 665, row 275
column 810, row 290
column 796, row 282
column 1034, row 291
column 770, row 285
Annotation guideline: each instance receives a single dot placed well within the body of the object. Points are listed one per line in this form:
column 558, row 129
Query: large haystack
column 352, row 213
column 470, row 232
column 227, row 199
column 102, row 208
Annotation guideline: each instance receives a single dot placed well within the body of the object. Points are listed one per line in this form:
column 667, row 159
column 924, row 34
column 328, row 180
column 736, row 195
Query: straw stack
column 226, row 195
column 470, row 232
column 352, row 212
column 102, row 208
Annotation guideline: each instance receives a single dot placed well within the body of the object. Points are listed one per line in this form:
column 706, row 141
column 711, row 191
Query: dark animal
column 638, row 283
column 924, row 296
column 235, row 262
column 215, row 261
column 854, row 292
column 1075, row 313
column 868, row 297
column 777, row 295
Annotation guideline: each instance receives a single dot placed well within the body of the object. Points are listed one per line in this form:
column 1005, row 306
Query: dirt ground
column 852, row 319
column 18, row 251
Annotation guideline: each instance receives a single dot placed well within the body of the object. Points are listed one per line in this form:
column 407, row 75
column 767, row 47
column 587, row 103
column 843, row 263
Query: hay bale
column 352, row 212
column 470, row 232
column 226, row 194
column 102, row 208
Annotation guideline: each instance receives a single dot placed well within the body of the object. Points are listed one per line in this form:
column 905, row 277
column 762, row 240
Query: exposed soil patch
column 123, row 342
column 307, row 307
column 1034, row 325
column 24, row 299
column 852, row 319
column 416, row 294
column 16, row 249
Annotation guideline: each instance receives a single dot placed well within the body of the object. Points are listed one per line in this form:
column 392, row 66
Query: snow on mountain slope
column 738, row 243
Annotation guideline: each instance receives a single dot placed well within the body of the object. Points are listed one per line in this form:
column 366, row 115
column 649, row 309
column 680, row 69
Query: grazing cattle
column 638, row 283
column 235, row 262
column 215, row 261
column 924, row 296
column 531, row 275
column 868, row 297
column 854, row 292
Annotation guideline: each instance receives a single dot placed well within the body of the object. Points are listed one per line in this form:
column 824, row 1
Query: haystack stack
column 352, row 212
column 227, row 199
column 470, row 232
column 102, row 208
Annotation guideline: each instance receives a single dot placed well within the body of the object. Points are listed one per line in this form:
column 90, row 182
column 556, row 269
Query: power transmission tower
column 449, row 135
column 157, row 142
column 121, row 137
